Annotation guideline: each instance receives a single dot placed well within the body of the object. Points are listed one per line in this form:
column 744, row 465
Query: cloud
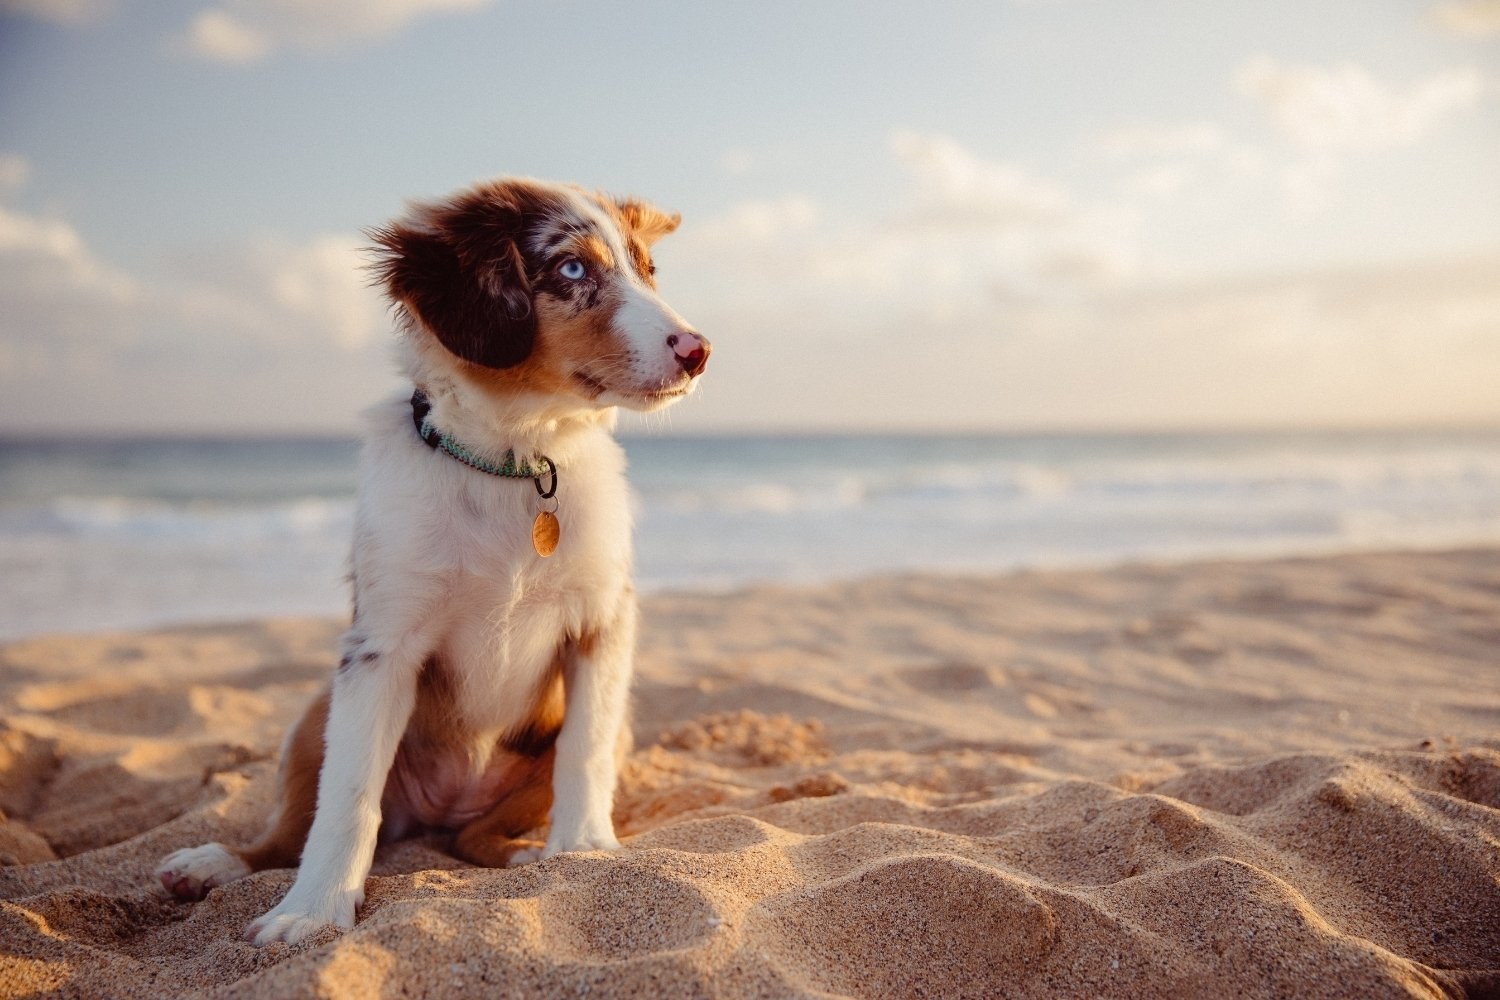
column 1475, row 18
column 279, row 324
column 57, row 300
column 953, row 186
column 1344, row 109
column 218, row 36
column 1167, row 160
column 246, row 31
column 1380, row 344
column 1019, row 317
column 46, row 258
column 277, row 295
column 71, row 12
column 325, row 284
column 958, row 236
column 763, row 221
column 1402, row 343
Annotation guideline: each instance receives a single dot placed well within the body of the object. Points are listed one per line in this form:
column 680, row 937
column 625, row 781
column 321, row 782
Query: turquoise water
column 143, row 532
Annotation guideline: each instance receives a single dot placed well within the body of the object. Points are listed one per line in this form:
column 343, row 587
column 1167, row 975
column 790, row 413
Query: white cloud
column 59, row 11
column 761, row 221
column 1025, row 317
column 325, row 284
column 1475, row 18
column 956, row 187
column 1170, row 161
column 1333, row 113
column 960, row 235
column 278, row 295
column 218, row 36
column 1343, row 108
column 61, row 309
column 1416, row 341
column 244, row 31
column 972, row 228
column 83, row 342
column 1413, row 342
column 48, row 257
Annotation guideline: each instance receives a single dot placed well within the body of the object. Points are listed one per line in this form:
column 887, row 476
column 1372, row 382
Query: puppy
column 483, row 682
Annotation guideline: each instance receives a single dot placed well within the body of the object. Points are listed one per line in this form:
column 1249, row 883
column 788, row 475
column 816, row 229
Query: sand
column 1225, row 779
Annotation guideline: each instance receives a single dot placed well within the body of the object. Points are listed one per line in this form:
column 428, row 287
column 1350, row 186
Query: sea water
column 131, row 533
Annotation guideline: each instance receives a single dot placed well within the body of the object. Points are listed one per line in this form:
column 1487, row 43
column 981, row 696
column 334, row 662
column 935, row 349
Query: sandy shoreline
column 1242, row 779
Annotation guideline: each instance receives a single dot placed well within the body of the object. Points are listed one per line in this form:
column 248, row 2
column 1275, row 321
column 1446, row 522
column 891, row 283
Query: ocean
column 107, row 534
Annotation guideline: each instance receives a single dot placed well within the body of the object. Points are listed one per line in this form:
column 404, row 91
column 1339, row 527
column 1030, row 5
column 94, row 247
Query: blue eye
column 572, row 269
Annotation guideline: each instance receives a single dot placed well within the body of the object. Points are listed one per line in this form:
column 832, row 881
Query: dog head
column 543, row 288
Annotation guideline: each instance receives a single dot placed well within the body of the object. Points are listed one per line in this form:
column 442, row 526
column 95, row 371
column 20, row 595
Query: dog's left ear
column 647, row 221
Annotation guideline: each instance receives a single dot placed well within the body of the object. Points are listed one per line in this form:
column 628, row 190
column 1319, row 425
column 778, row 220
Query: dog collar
column 510, row 467
column 545, row 530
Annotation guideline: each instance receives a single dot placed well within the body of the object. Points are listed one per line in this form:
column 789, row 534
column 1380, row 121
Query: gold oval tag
column 545, row 532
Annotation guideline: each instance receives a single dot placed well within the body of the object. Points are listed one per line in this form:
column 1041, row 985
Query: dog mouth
column 595, row 387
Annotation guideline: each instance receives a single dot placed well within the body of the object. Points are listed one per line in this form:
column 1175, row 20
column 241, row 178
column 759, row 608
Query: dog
column 483, row 682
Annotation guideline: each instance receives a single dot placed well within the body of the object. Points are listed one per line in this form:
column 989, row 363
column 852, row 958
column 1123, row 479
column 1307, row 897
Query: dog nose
column 692, row 350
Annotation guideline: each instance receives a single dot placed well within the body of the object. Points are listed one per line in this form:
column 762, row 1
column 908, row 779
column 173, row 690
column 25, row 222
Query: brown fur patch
column 641, row 225
column 459, row 270
column 434, row 720
column 281, row 844
column 647, row 222
column 490, row 840
column 536, row 735
column 592, row 249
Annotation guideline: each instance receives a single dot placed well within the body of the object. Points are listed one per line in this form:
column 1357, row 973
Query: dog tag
column 545, row 532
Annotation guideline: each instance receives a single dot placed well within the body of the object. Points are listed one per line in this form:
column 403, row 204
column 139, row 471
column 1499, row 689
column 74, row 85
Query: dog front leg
column 373, row 698
column 587, row 763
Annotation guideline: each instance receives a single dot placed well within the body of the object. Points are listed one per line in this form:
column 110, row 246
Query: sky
column 1007, row 215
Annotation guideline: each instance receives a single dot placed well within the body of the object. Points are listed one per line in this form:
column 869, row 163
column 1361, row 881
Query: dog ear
column 648, row 222
column 463, row 278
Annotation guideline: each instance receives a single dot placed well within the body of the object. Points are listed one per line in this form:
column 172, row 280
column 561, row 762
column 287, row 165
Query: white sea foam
column 167, row 533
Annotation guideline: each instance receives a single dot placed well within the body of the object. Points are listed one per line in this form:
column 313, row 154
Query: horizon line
column 117, row 435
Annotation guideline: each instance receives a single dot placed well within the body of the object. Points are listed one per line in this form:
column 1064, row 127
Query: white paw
column 292, row 921
column 570, row 845
column 566, row 845
column 192, row 871
column 524, row 856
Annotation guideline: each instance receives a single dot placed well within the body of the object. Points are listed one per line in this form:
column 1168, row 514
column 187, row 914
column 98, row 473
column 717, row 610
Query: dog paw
column 292, row 922
column 565, row 845
column 596, row 842
column 192, row 871
column 524, row 856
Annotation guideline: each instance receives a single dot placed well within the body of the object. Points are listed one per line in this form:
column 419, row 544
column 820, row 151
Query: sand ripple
column 1040, row 786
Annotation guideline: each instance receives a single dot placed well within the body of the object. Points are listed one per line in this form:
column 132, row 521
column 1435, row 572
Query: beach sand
column 1246, row 779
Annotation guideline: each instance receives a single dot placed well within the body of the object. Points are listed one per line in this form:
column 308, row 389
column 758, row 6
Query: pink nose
column 692, row 350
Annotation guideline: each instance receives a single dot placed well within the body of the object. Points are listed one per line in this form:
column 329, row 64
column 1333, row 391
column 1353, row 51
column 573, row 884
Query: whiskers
column 607, row 370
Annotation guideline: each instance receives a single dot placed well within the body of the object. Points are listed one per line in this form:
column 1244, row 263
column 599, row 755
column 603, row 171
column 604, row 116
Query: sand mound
column 1259, row 779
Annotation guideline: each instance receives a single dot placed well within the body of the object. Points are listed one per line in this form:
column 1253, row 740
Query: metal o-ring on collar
column 550, row 491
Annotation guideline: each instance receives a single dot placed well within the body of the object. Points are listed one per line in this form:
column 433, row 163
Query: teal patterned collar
column 509, row 467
